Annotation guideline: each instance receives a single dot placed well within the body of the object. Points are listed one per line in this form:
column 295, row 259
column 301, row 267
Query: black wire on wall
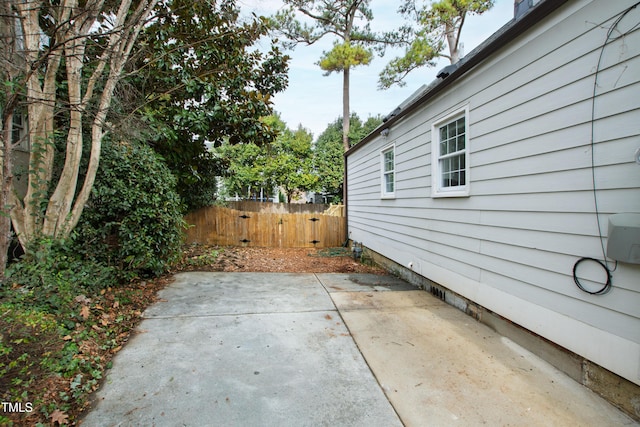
column 605, row 265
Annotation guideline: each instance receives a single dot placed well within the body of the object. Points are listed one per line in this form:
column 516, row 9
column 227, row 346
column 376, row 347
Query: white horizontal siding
column 531, row 213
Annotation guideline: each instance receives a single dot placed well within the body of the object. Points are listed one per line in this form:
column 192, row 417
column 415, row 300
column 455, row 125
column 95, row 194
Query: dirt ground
column 281, row 260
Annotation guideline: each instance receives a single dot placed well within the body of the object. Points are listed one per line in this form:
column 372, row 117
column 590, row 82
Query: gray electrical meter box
column 623, row 243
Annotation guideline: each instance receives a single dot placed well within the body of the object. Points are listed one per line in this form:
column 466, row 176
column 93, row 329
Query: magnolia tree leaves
column 202, row 81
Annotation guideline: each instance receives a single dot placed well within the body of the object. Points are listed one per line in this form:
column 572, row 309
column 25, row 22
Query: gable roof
column 449, row 74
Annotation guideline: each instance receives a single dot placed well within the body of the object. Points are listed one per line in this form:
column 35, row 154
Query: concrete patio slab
column 337, row 282
column 205, row 294
column 440, row 367
column 271, row 349
column 238, row 349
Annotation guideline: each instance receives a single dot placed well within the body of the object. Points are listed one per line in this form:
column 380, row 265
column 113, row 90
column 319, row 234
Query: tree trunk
column 12, row 67
column 40, row 86
column 5, row 191
column 452, row 41
column 346, row 116
column 62, row 198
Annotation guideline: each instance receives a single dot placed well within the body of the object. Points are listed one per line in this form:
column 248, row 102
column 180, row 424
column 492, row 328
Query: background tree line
column 293, row 164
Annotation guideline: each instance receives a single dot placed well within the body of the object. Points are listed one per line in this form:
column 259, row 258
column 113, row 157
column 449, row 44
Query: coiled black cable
column 607, row 286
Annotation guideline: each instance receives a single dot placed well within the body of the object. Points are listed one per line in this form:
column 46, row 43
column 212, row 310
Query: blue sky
column 315, row 100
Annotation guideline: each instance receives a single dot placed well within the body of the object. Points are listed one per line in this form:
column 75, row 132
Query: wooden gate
column 224, row 226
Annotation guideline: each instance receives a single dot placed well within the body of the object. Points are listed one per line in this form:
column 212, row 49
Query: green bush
column 53, row 274
column 133, row 220
column 197, row 184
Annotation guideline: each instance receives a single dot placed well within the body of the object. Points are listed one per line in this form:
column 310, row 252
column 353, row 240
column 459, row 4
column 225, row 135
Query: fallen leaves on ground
column 273, row 260
column 59, row 417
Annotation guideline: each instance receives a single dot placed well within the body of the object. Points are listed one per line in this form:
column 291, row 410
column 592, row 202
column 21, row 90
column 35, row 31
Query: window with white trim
column 388, row 172
column 450, row 155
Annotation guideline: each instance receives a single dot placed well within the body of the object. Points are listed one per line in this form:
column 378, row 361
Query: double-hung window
column 450, row 155
column 388, row 172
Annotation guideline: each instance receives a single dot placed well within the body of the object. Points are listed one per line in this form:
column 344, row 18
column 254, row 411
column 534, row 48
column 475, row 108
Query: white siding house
column 496, row 179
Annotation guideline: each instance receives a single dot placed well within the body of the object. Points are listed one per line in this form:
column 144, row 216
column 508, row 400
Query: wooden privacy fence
column 257, row 225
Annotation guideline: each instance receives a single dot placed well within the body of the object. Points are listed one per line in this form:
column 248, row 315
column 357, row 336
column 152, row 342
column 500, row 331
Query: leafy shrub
column 133, row 220
column 53, row 274
column 197, row 184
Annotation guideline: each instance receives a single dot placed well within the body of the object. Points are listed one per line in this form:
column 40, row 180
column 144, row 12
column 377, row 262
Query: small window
column 450, row 156
column 388, row 172
column 20, row 136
